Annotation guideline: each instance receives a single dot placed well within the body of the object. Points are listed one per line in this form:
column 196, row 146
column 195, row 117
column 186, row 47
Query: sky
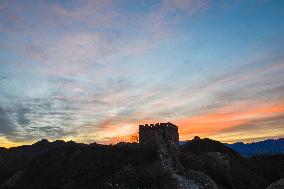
column 92, row 71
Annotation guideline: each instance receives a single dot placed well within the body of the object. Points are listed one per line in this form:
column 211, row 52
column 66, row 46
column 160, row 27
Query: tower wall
column 159, row 132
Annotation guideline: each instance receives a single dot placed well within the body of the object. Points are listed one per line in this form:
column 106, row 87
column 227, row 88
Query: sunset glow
column 92, row 71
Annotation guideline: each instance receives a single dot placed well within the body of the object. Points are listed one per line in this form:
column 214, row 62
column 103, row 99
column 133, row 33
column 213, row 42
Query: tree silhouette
column 134, row 138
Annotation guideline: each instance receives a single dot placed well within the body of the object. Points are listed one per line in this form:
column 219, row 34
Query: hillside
column 93, row 166
column 68, row 165
column 227, row 168
column 16, row 158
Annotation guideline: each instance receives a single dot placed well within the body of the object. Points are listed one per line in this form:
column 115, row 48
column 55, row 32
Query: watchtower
column 159, row 133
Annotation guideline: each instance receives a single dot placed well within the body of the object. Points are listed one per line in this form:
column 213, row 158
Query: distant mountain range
column 270, row 146
column 266, row 147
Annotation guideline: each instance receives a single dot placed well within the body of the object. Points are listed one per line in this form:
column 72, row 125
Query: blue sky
column 93, row 70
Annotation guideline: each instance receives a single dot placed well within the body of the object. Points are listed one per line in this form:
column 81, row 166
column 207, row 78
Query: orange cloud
column 115, row 140
column 211, row 123
column 115, row 130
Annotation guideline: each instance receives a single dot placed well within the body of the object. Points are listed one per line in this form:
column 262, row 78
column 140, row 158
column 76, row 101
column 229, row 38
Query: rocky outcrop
column 201, row 180
column 227, row 168
column 277, row 185
column 11, row 182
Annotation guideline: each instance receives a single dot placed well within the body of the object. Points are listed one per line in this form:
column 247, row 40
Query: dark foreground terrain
column 68, row 165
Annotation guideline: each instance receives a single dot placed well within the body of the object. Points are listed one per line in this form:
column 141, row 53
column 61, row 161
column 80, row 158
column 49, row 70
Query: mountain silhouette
column 270, row 146
column 69, row 165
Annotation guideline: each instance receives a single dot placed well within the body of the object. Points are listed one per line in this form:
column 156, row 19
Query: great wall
column 166, row 137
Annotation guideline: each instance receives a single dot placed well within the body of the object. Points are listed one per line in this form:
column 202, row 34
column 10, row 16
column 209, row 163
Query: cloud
column 79, row 32
column 73, row 54
column 189, row 7
column 6, row 124
column 246, row 117
column 95, row 70
column 204, row 109
column 22, row 118
column 87, row 114
column 274, row 122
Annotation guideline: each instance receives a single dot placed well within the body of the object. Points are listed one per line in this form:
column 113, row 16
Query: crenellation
column 159, row 132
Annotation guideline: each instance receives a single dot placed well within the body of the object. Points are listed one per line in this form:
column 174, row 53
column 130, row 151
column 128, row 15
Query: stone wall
column 159, row 132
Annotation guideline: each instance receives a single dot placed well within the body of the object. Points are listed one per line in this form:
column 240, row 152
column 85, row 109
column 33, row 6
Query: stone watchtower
column 159, row 133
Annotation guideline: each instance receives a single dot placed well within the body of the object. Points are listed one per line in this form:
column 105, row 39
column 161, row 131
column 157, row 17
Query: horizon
column 93, row 71
column 274, row 139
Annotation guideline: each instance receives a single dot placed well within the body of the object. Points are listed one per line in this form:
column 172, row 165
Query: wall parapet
column 158, row 133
